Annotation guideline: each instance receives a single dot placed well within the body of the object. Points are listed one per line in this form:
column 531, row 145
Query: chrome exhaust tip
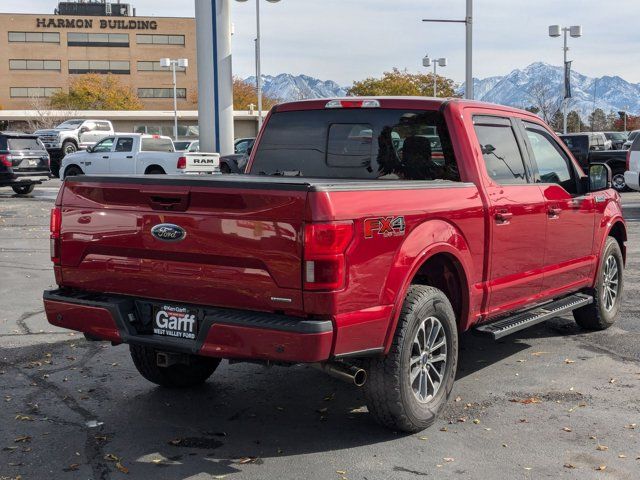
column 347, row 373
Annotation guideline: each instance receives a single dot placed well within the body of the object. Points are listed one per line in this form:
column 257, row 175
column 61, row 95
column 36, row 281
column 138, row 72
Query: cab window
column 104, row 146
column 124, row 144
column 553, row 165
column 500, row 150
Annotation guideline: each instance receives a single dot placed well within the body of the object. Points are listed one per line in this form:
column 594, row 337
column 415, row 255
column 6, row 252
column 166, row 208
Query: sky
column 347, row 40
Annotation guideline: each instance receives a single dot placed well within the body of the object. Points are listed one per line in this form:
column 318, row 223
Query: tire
column 225, row 169
column 601, row 314
column 618, row 182
column 73, row 171
column 24, row 189
column 195, row 373
column 389, row 392
column 155, row 171
column 68, row 148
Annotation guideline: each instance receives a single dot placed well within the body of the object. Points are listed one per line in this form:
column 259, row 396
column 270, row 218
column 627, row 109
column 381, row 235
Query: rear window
column 156, row 145
column 24, row 144
column 365, row 144
column 181, row 146
column 577, row 142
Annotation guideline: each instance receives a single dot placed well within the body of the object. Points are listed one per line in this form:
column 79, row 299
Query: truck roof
column 430, row 103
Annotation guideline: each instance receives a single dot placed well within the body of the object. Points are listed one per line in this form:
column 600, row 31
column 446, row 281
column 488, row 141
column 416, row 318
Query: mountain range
column 518, row 89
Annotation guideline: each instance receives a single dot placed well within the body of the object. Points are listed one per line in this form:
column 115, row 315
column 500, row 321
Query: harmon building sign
column 88, row 23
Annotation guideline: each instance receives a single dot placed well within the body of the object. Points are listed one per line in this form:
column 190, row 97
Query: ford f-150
column 352, row 244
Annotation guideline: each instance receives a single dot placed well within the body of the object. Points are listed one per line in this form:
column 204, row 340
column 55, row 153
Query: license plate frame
column 175, row 321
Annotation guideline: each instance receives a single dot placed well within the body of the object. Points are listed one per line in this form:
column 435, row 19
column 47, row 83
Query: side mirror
column 599, row 177
column 89, row 149
column 84, row 129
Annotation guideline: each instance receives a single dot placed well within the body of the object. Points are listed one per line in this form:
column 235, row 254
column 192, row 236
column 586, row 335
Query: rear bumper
column 223, row 333
column 632, row 179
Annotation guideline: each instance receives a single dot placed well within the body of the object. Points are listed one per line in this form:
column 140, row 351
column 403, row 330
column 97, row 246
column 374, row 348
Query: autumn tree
column 246, row 94
column 96, row 92
column 402, row 83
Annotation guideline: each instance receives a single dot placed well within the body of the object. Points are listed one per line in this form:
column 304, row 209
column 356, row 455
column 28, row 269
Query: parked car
column 187, row 146
column 617, row 139
column 71, row 136
column 243, row 145
column 630, row 138
column 632, row 173
column 615, row 159
column 595, row 141
column 236, row 163
column 345, row 252
column 24, row 162
column 134, row 153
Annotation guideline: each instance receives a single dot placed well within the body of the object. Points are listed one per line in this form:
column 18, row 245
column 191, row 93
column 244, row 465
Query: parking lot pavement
column 551, row 402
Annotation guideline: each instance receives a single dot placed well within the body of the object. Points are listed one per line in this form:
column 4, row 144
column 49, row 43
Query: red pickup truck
column 367, row 235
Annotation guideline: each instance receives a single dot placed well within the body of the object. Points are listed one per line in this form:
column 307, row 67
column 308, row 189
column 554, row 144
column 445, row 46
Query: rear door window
column 500, row 151
column 368, row 144
column 124, row 144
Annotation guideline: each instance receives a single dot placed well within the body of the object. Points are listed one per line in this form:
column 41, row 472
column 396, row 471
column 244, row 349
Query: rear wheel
column 73, row 171
column 68, row 148
column 407, row 388
column 607, row 294
column 24, row 189
column 196, row 372
column 225, row 169
column 155, row 171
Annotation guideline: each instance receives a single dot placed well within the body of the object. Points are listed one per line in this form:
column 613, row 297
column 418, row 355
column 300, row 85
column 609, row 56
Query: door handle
column 554, row 212
column 503, row 217
column 129, row 156
column 106, row 157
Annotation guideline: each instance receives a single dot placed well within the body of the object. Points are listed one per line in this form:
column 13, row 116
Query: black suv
column 24, row 162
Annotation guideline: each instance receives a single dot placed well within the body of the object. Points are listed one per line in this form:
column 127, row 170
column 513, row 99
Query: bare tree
column 545, row 98
column 42, row 116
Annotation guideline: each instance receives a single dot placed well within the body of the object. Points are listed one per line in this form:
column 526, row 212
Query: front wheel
column 607, row 294
column 68, row 148
column 24, row 189
column 407, row 388
column 618, row 182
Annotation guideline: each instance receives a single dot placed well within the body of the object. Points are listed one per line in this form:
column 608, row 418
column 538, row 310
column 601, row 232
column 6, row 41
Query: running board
column 520, row 321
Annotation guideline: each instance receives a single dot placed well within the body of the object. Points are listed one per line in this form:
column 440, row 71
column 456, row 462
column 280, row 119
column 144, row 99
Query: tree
column 403, row 83
column 598, row 120
column 245, row 94
column 532, row 109
column 574, row 123
column 42, row 117
column 545, row 98
column 96, row 92
column 557, row 121
column 611, row 120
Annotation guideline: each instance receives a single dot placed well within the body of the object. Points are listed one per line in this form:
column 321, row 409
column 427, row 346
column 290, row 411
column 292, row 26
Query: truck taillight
column 353, row 104
column 55, row 226
column 4, row 160
column 182, row 163
column 324, row 255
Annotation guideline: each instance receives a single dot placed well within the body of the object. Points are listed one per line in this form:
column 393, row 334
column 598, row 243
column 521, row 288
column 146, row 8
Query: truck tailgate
column 202, row 162
column 242, row 243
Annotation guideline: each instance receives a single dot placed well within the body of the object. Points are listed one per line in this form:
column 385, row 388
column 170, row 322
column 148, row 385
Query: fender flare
column 444, row 238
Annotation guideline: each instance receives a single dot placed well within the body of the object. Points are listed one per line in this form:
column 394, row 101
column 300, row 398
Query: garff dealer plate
column 176, row 322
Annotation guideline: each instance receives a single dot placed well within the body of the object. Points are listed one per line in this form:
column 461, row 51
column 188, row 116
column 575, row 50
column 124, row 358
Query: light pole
column 468, row 21
column 626, row 109
column 427, row 62
column 258, row 59
column 575, row 31
column 182, row 63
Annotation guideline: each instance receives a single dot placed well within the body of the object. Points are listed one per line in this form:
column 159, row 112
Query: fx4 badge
column 384, row 226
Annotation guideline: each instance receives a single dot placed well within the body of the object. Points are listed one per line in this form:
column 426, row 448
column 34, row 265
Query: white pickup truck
column 134, row 153
column 632, row 175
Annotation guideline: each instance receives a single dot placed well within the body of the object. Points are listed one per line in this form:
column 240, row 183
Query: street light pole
column 575, row 31
column 426, row 61
column 468, row 21
column 174, row 64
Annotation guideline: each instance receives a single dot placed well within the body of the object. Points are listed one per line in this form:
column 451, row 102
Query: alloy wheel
column 428, row 362
column 611, row 283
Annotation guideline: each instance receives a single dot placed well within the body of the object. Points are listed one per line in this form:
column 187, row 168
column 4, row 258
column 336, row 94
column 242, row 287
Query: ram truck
column 365, row 237
column 135, row 153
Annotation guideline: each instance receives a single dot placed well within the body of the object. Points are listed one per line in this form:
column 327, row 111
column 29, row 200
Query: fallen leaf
column 23, row 418
column 444, row 429
column 537, row 354
column 567, row 429
column 601, row 468
column 23, row 439
column 424, row 438
column 602, row 448
column 476, row 421
column 622, row 455
column 631, row 426
column 341, row 472
column 613, row 380
column 448, row 459
column 330, row 397
column 569, row 465
column 122, row 468
column 73, row 467
column 322, row 410
column 245, row 460
column 111, row 457
column 568, row 361
column 527, row 468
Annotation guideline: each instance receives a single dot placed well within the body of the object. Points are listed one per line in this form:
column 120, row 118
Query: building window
column 117, row 67
column 160, row 39
column 34, row 37
column 33, row 92
column 34, row 65
column 155, row 67
column 98, row 39
column 161, row 92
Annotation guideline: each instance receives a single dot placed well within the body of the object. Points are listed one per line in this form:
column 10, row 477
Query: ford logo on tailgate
column 167, row 232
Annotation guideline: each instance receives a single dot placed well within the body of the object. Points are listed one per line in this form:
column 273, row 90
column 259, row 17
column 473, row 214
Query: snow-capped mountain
column 287, row 87
column 519, row 89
